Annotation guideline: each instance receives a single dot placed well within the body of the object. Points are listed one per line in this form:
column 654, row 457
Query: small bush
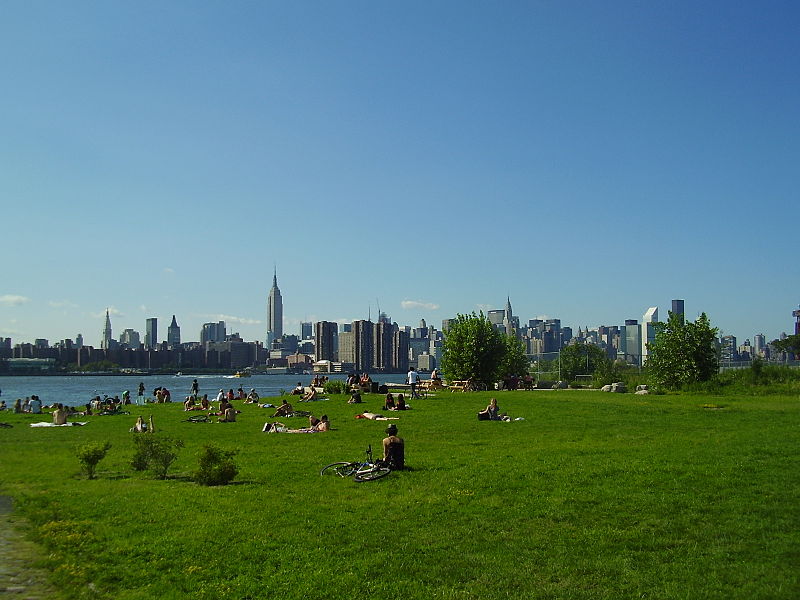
column 90, row 454
column 216, row 466
column 155, row 453
column 335, row 386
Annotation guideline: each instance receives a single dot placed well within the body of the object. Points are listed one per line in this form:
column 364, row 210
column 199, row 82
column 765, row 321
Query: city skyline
column 587, row 161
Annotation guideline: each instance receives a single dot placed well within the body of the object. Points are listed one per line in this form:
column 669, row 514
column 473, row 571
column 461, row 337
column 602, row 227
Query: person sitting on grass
column 492, row 413
column 189, row 403
column 309, row 396
column 223, row 406
column 401, row 403
column 59, row 415
column 284, row 410
column 389, row 403
column 394, row 449
column 229, row 416
column 355, row 398
column 252, row 397
column 298, row 390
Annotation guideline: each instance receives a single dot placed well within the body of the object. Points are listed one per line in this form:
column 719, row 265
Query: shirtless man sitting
column 284, row 410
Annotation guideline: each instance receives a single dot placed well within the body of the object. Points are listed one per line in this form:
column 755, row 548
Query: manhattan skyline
column 587, row 161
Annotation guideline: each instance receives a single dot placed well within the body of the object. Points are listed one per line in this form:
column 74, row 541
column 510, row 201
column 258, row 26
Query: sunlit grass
column 592, row 495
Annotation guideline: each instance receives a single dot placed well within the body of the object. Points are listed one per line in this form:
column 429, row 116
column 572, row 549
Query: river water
column 77, row 390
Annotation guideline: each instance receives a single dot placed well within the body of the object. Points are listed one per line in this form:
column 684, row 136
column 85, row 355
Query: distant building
column 79, row 341
column 796, row 315
column 649, row 319
column 325, row 335
column 173, row 334
column 213, row 332
column 677, row 308
column 130, row 339
column 274, row 312
column 151, row 333
column 107, row 338
column 728, row 349
column 631, row 342
column 306, row 331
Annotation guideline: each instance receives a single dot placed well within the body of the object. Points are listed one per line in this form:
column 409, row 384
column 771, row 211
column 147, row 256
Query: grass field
column 592, row 495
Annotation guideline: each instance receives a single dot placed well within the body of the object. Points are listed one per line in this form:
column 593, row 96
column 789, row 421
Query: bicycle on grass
column 359, row 470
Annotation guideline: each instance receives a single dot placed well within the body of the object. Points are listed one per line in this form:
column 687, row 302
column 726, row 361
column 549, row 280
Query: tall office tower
column 324, row 344
column 173, row 333
column 677, row 308
column 649, row 319
column 382, row 346
column 400, row 350
column 151, row 333
column 632, row 348
column 130, row 338
column 759, row 344
column 347, row 348
column 728, row 350
column 274, row 312
column 213, row 332
column 106, row 343
column 306, row 331
column 363, row 345
column 79, row 341
column 496, row 317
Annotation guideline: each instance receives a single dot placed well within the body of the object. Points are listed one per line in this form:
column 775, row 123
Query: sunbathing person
column 189, row 403
column 375, row 417
column 59, row 415
column 492, row 413
column 252, row 397
column 229, row 416
column 298, row 390
column 284, row 410
column 320, row 426
column 310, row 396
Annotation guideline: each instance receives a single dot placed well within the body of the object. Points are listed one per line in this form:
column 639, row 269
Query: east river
column 77, row 390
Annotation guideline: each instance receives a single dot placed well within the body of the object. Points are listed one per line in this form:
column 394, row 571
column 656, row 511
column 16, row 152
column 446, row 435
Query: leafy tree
column 472, row 348
column 683, row 352
column 790, row 343
column 515, row 361
column 583, row 359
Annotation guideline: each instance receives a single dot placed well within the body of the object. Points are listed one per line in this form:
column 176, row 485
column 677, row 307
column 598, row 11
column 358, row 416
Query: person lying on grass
column 320, row 425
column 375, row 417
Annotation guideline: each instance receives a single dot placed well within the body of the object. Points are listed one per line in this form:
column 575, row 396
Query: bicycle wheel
column 371, row 474
column 342, row 469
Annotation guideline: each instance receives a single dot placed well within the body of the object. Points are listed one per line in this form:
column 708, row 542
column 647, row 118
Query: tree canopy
column 474, row 349
column 584, row 359
column 683, row 352
column 790, row 344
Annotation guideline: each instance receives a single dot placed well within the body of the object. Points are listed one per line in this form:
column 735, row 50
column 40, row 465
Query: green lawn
column 592, row 495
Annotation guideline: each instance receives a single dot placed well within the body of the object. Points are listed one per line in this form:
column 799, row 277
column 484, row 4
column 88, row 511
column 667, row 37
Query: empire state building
column 274, row 312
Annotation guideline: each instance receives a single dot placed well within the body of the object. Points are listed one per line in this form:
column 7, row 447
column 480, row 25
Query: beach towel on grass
column 45, row 424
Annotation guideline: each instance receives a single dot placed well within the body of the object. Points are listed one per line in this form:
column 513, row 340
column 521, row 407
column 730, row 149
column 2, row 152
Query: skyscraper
column 151, row 333
column 649, row 319
column 174, row 333
column 274, row 312
column 677, row 308
column 106, row 343
column 325, row 336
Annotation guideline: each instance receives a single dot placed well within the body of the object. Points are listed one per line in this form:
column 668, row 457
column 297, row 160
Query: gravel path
column 19, row 580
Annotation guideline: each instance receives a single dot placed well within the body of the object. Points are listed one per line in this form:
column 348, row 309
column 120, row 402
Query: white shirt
column 413, row 377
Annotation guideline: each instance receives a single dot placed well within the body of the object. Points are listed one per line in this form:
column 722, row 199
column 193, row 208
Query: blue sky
column 589, row 160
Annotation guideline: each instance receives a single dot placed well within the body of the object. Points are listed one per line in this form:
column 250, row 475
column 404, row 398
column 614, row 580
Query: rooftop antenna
column 379, row 309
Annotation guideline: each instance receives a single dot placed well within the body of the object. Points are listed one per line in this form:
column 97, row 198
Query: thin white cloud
column 142, row 308
column 13, row 300
column 412, row 304
column 484, row 307
column 112, row 312
column 62, row 304
column 169, row 270
column 231, row 319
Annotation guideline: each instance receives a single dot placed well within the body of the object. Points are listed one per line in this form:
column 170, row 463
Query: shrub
column 155, row 453
column 335, row 386
column 90, row 454
column 216, row 466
